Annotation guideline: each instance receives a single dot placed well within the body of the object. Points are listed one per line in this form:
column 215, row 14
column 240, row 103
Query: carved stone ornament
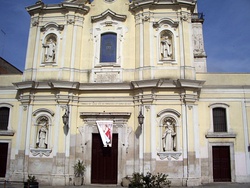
column 41, row 152
column 169, row 155
column 109, row 1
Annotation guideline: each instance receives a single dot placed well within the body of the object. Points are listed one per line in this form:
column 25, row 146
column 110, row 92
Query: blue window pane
column 108, row 47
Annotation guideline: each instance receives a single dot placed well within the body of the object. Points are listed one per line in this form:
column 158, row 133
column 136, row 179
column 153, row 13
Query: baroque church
column 122, row 85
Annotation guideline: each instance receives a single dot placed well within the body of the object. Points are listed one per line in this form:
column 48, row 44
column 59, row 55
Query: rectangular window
column 108, row 48
column 4, row 118
column 219, row 120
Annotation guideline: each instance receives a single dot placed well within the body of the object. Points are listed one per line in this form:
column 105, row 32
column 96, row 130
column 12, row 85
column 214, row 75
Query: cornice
column 145, row 83
column 24, row 85
column 154, row 83
column 221, row 135
column 105, row 114
column 105, row 86
column 168, row 83
column 64, row 84
column 7, row 133
column 190, row 83
column 138, row 4
column 41, row 7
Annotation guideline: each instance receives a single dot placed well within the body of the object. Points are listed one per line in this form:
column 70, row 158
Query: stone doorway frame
column 210, row 161
column 120, row 127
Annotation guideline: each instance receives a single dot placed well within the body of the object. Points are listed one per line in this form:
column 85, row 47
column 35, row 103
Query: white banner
column 105, row 129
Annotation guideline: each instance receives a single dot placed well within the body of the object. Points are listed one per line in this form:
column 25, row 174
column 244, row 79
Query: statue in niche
column 166, row 47
column 42, row 134
column 169, row 136
column 50, row 49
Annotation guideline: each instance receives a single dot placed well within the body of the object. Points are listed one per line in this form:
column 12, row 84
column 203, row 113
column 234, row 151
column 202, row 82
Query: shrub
column 31, row 179
column 79, row 169
column 149, row 181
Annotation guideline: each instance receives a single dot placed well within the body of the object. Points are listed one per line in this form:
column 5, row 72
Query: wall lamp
column 140, row 119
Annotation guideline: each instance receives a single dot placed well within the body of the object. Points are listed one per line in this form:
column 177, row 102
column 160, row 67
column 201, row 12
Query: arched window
column 4, row 118
column 108, row 48
column 219, row 119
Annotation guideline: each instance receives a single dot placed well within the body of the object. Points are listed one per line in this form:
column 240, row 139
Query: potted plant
column 31, row 182
column 79, row 169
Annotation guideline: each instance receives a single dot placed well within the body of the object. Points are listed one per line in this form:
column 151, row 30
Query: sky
column 226, row 32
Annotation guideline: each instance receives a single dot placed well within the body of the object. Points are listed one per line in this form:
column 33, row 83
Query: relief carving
column 107, row 77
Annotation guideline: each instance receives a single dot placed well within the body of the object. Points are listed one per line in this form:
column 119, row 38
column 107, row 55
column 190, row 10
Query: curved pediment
column 167, row 21
column 52, row 25
column 169, row 110
column 110, row 13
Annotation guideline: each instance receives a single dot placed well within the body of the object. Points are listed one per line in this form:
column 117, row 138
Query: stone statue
column 50, row 51
column 166, row 46
column 169, row 136
column 42, row 137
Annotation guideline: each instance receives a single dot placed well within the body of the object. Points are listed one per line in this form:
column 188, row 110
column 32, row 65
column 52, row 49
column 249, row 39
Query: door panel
column 3, row 158
column 104, row 161
column 221, row 164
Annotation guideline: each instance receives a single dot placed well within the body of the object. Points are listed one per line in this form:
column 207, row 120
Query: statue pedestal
column 169, row 155
column 40, row 152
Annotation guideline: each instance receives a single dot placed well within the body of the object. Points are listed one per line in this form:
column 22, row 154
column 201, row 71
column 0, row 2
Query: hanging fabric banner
column 105, row 129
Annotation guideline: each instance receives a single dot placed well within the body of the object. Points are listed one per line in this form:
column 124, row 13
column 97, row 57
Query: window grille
column 4, row 118
column 219, row 120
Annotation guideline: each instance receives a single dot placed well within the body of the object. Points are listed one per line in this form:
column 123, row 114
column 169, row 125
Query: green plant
column 31, row 178
column 149, row 180
column 79, row 168
column 137, row 180
column 160, row 180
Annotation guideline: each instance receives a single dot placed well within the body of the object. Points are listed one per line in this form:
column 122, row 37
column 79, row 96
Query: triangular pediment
column 110, row 13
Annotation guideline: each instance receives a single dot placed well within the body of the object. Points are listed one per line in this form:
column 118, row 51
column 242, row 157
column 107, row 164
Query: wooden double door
column 104, row 163
column 3, row 158
column 221, row 164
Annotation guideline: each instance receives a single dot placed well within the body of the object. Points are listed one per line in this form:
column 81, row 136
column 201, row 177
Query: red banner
column 105, row 129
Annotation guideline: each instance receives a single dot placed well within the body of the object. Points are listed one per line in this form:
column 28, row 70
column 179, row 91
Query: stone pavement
column 211, row 185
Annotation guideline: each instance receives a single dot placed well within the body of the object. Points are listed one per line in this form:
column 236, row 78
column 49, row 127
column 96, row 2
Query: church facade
column 122, row 86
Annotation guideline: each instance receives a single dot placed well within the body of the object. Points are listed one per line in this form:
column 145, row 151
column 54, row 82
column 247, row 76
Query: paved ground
column 211, row 185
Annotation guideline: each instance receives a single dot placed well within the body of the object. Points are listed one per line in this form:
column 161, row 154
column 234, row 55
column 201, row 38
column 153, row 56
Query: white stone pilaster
column 73, row 54
column 56, row 130
column 19, row 130
column 181, row 53
column 67, row 137
column 62, row 60
column 246, row 136
column 153, row 132
column 141, row 49
column 185, row 139
column 29, row 121
column 196, row 131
